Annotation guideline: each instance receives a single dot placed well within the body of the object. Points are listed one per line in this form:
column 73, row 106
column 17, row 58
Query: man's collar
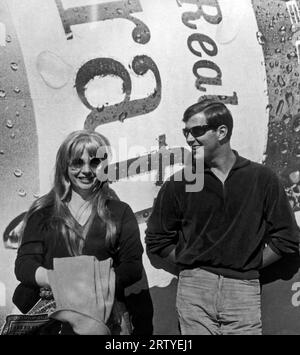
column 240, row 162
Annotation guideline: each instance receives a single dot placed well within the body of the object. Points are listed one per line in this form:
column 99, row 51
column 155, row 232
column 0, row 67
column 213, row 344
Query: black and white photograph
column 150, row 170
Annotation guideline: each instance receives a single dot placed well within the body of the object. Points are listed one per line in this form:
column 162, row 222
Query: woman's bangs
column 88, row 144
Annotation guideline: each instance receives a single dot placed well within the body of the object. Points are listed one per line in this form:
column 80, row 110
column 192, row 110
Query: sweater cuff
column 166, row 251
column 30, row 274
column 274, row 248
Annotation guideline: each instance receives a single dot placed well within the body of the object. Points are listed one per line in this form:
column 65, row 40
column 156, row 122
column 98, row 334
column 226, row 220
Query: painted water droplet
column 8, row 39
column 295, row 177
column 293, row 28
column 279, row 107
column 291, row 55
column 17, row 113
column 100, row 109
column 280, row 81
column 282, row 39
column 282, row 29
column 123, row 116
column 289, row 68
column 9, row 124
column 271, row 64
column 276, row 63
column 119, row 11
column 17, row 90
column 18, row 172
column 289, row 98
column 286, row 119
column 260, row 38
column 54, row 71
column 296, row 125
column 2, row 94
column 14, row 66
column 13, row 136
column 2, row 152
column 22, row 193
column 277, row 50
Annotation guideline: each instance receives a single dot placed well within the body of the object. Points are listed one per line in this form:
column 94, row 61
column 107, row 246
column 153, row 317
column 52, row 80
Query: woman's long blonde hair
column 58, row 197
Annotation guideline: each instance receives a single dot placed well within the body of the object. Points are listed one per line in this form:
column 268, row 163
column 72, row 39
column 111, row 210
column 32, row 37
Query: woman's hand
column 41, row 277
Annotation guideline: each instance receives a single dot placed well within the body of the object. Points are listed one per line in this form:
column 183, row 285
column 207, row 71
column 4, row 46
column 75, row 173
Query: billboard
column 128, row 69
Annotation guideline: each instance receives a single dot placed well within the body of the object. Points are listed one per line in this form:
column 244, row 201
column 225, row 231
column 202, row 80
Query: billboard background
column 128, row 69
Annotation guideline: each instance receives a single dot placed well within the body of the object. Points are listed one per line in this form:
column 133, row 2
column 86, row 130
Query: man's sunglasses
column 77, row 164
column 196, row 131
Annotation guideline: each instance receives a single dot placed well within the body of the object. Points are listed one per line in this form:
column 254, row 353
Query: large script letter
column 100, row 67
column 207, row 64
column 187, row 17
column 101, row 12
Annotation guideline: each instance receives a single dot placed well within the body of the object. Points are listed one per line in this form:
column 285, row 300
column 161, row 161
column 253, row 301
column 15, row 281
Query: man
column 221, row 236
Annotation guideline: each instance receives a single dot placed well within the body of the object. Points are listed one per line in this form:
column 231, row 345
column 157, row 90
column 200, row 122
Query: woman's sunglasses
column 77, row 164
column 196, row 131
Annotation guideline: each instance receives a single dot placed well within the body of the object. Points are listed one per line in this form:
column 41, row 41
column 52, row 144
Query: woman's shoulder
column 37, row 226
column 42, row 213
column 118, row 207
column 40, row 219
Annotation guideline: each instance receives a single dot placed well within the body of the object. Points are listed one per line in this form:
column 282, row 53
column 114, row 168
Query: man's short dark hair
column 216, row 114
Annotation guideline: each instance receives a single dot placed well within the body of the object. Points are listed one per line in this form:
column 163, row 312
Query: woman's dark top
column 42, row 242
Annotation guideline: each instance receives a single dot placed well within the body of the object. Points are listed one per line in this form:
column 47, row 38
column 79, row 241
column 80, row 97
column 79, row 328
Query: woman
column 79, row 216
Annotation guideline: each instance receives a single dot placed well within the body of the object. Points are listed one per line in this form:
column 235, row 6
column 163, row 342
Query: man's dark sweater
column 224, row 227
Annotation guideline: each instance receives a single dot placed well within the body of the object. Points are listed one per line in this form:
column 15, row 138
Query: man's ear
column 222, row 133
